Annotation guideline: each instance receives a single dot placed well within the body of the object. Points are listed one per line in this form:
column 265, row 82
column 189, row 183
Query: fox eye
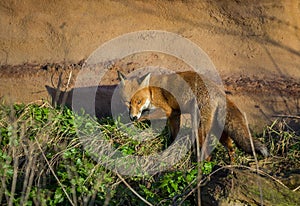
column 139, row 101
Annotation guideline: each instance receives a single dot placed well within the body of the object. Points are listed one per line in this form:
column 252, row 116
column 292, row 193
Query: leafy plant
column 49, row 156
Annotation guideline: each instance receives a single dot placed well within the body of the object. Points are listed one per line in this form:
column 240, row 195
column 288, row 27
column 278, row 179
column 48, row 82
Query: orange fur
column 213, row 105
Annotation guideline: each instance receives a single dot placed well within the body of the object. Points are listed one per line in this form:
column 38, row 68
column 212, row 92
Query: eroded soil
column 254, row 45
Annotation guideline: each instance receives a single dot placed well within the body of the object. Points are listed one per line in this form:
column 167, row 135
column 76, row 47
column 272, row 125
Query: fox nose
column 133, row 118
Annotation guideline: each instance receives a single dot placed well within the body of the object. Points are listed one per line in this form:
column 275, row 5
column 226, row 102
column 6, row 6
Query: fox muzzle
column 133, row 118
column 135, row 112
column 134, row 115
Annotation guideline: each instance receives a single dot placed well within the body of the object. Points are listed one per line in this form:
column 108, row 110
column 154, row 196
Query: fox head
column 139, row 103
column 135, row 95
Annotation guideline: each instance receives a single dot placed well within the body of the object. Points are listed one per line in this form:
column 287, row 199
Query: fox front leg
column 174, row 125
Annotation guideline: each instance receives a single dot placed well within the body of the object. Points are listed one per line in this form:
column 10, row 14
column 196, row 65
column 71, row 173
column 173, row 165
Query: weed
column 44, row 162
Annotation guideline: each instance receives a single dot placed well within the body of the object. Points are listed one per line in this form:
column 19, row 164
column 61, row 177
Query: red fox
column 143, row 94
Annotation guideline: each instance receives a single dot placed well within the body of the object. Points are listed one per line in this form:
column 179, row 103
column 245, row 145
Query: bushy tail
column 236, row 127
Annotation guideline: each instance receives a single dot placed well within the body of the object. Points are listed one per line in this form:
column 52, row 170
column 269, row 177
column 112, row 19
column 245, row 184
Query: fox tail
column 240, row 134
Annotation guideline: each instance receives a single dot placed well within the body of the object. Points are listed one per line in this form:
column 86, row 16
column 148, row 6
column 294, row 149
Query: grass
column 47, row 157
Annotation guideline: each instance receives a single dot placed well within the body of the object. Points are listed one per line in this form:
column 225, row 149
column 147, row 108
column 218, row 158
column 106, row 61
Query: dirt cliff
column 255, row 45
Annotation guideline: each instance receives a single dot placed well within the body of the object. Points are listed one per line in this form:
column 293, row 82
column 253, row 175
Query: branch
column 132, row 190
column 287, row 116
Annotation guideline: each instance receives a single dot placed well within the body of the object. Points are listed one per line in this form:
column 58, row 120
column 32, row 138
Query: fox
column 215, row 108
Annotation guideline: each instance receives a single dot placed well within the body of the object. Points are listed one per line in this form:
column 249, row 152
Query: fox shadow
column 102, row 104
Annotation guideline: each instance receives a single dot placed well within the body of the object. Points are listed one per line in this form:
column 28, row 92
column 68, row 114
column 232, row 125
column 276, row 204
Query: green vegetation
column 43, row 160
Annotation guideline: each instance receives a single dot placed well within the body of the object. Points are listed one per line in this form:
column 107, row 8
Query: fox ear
column 145, row 80
column 122, row 78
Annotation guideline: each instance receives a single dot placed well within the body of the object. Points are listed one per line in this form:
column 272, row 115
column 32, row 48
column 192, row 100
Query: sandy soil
column 255, row 45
